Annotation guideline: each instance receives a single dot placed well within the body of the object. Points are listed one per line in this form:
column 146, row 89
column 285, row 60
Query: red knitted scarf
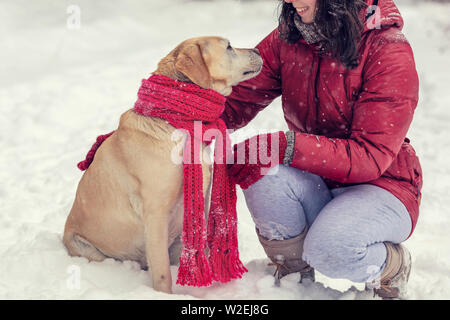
column 180, row 104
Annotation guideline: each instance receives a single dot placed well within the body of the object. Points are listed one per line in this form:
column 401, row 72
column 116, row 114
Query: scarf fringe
column 226, row 265
column 194, row 269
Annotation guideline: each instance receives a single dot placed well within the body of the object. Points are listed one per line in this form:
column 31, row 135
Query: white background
column 61, row 87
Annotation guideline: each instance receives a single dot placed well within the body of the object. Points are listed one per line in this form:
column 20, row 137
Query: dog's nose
column 255, row 50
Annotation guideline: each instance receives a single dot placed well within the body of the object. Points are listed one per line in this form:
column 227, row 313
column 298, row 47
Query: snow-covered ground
column 62, row 86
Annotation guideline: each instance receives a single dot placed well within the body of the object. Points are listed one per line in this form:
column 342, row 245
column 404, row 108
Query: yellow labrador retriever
column 129, row 203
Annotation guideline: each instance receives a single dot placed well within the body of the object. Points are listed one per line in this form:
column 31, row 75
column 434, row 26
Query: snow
column 63, row 83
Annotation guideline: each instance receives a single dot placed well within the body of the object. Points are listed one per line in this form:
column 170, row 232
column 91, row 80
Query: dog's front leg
column 157, row 250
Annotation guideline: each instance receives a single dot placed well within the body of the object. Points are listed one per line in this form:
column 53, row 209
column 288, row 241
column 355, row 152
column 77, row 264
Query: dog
column 129, row 203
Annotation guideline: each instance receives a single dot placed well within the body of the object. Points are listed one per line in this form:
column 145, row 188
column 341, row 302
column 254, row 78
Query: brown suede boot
column 286, row 256
column 394, row 278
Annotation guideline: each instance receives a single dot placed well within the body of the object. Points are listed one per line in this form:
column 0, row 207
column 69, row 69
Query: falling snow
column 62, row 87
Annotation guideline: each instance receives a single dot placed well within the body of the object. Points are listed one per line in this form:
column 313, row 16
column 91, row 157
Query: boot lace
column 385, row 285
column 279, row 265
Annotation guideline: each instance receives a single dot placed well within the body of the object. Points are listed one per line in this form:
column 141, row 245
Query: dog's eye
column 229, row 47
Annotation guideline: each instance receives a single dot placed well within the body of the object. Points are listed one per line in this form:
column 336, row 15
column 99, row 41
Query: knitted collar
column 180, row 104
column 309, row 31
column 179, row 100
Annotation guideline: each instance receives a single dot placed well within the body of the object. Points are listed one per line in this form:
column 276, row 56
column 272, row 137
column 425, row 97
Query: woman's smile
column 302, row 10
column 305, row 9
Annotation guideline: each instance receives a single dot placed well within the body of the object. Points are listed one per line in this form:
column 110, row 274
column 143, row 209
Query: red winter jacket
column 350, row 125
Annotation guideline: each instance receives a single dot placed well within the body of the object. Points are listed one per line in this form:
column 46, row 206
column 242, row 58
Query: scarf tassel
column 226, row 265
column 194, row 269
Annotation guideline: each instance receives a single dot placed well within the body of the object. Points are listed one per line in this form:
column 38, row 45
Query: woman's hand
column 255, row 156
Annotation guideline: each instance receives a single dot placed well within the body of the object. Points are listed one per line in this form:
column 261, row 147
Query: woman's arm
column 381, row 118
column 251, row 96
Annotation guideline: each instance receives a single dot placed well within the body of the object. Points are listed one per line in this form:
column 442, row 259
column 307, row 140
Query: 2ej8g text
column 248, row 310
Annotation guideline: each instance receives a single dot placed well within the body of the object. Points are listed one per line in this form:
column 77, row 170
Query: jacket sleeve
column 382, row 115
column 251, row 96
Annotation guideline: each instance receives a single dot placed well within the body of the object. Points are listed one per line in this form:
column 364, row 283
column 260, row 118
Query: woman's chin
column 307, row 20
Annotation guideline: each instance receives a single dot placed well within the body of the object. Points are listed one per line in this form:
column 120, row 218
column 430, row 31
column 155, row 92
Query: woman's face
column 306, row 9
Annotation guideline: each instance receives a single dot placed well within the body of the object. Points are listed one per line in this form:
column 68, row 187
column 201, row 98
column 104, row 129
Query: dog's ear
column 191, row 63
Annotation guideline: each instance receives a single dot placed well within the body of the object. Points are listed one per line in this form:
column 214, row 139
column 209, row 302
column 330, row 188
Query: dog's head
column 211, row 63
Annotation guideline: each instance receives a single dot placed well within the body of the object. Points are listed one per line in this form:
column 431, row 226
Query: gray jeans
column 347, row 226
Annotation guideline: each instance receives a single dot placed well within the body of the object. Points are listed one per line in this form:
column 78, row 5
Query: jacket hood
column 382, row 14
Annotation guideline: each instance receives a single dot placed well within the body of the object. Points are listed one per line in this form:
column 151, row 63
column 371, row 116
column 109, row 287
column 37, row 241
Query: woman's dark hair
column 338, row 22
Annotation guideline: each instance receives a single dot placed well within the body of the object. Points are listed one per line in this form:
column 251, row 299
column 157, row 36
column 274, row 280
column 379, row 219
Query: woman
column 347, row 190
